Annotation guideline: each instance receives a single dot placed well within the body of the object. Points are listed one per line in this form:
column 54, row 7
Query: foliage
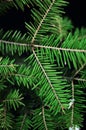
column 45, row 90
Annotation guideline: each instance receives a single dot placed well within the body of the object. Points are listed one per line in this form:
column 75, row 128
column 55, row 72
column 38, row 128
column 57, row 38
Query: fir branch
column 81, row 37
column 8, row 66
column 53, row 90
column 72, row 90
column 60, row 30
column 14, row 99
column 44, row 120
column 20, row 78
column 72, row 114
column 80, row 79
column 20, row 75
column 40, row 24
column 5, row 112
column 71, row 79
column 79, row 69
column 14, row 43
column 60, row 49
column 22, row 123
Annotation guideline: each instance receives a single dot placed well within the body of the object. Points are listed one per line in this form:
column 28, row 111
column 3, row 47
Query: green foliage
column 10, row 42
column 6, row 121
column 42, row 72
column 42, row 119
column 23, row 122
column 13, row 99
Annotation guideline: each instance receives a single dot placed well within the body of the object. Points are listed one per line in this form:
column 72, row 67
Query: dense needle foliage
column 42, row 71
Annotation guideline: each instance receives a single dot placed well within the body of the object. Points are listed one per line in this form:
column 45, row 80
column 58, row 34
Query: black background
column 14, row 19
column 76, row 11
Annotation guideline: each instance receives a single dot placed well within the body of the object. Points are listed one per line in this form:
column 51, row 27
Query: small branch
column 22, row 123
column 14, row 43
column 8, row 66
column 72, row 114
column 79, row 79
column 54, row 92
column 20, row 75
column 60, row 49
column 17, row 75
column 44, row 120
column 4, row 114
column 40, row 24
column 79, row 69
column 81, row 37
column 14, row 99
column 72, row 90
column 71, row 78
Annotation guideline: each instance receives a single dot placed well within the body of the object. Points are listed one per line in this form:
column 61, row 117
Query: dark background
column 76, row 11
column 14, row 19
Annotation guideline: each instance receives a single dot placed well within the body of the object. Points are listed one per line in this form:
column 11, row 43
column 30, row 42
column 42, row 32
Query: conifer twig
column 22, row 123
column 72, row 114
column 71, row 78
column 44, row 120
column 80, row 79
column 59, row 48
column 54, row 92
column 14, row 43
column 79, row 69
column 40, row 24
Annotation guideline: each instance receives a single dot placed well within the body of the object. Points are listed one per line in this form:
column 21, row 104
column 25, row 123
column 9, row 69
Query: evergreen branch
column 22, row 123
column 14, row 99
column 40, row 24
column 60, row 49
column 80, row 79
column 8, row 66
column 72, row 114
column 43, row 120
column 80, row 37
column 10, row 100
column 79, row 69
column 20, row 78
column 52, row 88
column 72, row 90
column 60, row 30
column 45, row 124
column 14, row 43
column 5, row 118
column 19, row 75
column 5, row 112
column 71, row 78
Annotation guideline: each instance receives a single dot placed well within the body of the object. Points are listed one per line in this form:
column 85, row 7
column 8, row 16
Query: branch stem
column 44, row 120
column 59, row 48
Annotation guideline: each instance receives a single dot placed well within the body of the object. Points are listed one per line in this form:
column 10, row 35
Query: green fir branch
column 54, row 92
column 13, row 99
